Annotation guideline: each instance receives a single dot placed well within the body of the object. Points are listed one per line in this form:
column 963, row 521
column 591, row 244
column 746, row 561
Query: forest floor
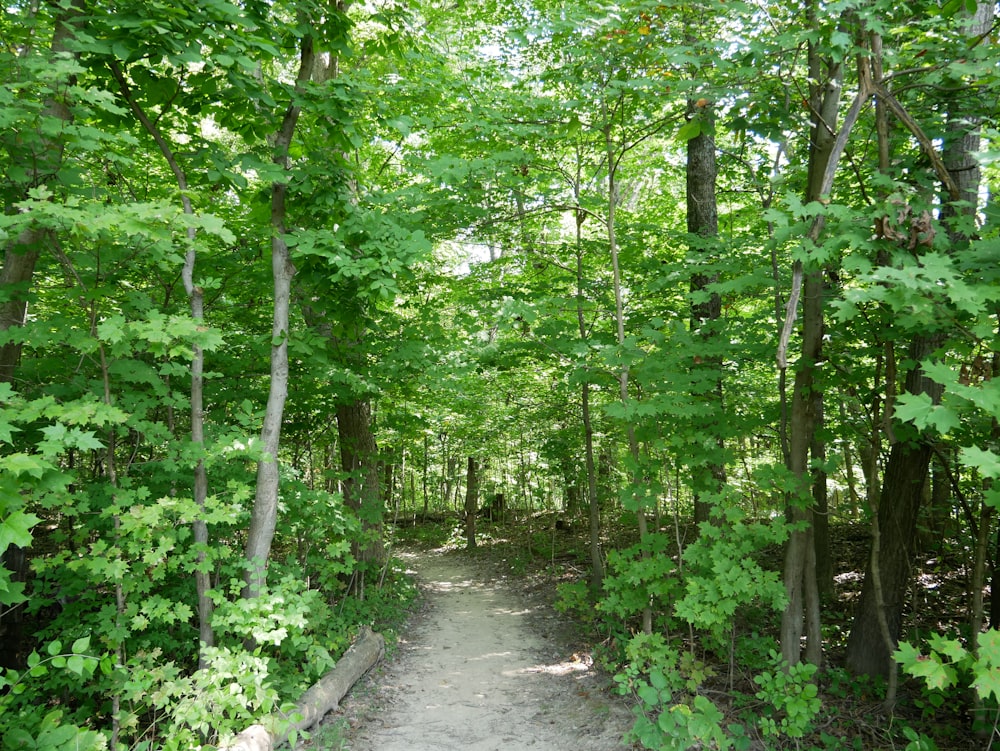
column 487, row 662
column 483, row 664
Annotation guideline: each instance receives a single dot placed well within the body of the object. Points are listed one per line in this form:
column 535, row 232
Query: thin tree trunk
column 623, row 373
column 424, row 474
column 196, row 298
column 801, row 587
column 593, row 498
column 265, row 508
column 471, row 503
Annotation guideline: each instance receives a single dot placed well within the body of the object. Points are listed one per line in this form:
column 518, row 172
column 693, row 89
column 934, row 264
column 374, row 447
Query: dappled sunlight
column 577, row 663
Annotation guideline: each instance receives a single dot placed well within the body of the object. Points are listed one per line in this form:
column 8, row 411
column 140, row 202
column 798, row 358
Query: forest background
column 719, row 276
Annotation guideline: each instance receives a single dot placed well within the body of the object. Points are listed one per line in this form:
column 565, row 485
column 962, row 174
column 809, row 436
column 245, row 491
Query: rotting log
column 322, row 697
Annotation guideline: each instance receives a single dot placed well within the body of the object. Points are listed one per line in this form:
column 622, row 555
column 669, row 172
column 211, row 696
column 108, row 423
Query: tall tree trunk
column 21, row 254
column 624, row 372
column 424, row 474
column 264, row 518
column 196, row 297
column 868, row 652
column 16, row 275
column 821, row 504
column 800, row 555
column 593, row 498
column 362, row 493
column 803, row 608
column 706, row 306
column 471, row 503
column 875, row 630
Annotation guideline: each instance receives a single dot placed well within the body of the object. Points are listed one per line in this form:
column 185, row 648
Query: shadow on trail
column 473, row 674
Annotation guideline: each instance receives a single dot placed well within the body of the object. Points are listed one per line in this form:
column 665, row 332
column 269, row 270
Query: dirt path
column 474, row 672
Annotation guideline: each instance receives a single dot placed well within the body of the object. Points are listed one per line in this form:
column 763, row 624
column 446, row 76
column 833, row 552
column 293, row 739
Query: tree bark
column 703, row 228
column 362, row 493
column 801, row 587
column 196, row 298
column 264, row 518
column 471, row 503
column 868, row 652
column 612, row 158
column 21, row 255
column 821, row 504
column 878, row 620
column 593, row 497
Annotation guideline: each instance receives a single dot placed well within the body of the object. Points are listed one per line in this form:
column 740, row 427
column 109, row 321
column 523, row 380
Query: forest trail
column 477, row 671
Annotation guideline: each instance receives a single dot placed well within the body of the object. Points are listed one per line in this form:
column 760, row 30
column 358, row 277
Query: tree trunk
column 902, row 491
column 801, row 586
column 800, row 555
column 424, row 473
column 196, row 298
column 360, row 462
column 869, row 647
column 264, row 517
column 624, row 373
column 16, row 275
column 821, row 504
column 471, row 503
column 18, row 269
column 21, row 255
column 703, row 228
column 593, row 498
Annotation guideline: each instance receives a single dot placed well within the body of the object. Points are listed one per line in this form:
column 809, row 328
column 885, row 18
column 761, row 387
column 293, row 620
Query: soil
column 483, row 666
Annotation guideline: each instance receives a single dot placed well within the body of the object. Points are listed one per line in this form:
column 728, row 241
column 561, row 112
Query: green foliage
column 429, row 135
column 949, row 663
column 723, row 572
column 638, row 577
column 673, row 712
column 48, row 732
column 234, row 690
column 670, row 711
column 791, row 697
column 26, row 725
column 574, row 598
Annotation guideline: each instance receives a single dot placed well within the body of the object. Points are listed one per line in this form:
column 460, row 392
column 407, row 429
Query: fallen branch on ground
column 322, row 697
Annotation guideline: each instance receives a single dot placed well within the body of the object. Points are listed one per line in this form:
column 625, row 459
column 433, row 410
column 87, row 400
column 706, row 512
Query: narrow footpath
column 476, row 672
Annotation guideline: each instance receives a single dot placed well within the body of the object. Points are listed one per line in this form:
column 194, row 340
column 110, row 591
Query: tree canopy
column 713, row 284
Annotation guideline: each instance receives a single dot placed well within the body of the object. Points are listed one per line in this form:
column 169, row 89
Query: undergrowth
column 721, row 684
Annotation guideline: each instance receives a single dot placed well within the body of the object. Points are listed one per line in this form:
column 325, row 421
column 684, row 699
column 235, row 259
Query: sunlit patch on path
column 472, row 675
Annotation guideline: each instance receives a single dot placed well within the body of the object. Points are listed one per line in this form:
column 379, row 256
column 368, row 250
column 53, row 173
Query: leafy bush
column 790, row 696
column 949, row 664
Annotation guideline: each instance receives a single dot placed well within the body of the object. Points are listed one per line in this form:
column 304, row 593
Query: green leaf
column 987, row 684
column 923, row 413
column 691, row 129
column 984, row 461
column 18, row 464
column 76, row 664
column 16, row 529
column 950, row 648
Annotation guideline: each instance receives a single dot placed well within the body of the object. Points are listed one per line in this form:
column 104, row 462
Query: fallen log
column 322, row 697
